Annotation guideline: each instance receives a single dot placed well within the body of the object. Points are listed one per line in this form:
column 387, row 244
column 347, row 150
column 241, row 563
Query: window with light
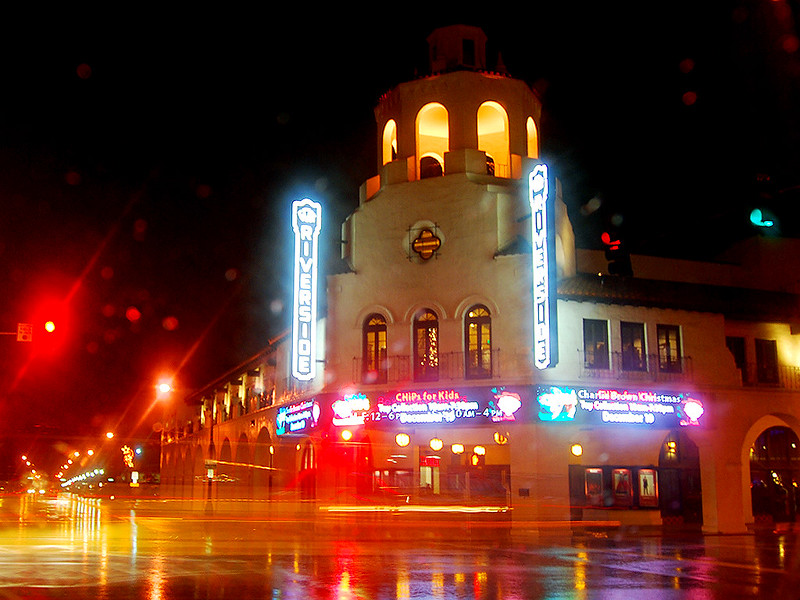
column 478, row 342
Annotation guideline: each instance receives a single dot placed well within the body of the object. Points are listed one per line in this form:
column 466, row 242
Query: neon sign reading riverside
column 544, row 318
column 306, row 223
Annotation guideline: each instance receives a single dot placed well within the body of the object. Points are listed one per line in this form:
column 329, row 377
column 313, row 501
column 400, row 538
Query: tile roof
column 738, row 303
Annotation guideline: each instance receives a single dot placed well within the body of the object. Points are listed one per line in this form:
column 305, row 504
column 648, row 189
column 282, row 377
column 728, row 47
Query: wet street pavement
column 68, row 547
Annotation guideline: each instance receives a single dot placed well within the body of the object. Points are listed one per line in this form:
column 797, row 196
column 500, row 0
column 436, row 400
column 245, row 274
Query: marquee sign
column 300, row 417
column 609, row 406
column 423, row 407
column 545, row 333
column 306, row 223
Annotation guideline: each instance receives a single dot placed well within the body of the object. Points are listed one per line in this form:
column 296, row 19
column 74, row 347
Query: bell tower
column 439, row 248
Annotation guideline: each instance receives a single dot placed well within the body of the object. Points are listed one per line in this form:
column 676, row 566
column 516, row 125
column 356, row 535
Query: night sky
column 147, row 164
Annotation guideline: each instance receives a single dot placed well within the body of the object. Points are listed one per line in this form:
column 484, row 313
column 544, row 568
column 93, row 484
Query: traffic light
column 619, row 261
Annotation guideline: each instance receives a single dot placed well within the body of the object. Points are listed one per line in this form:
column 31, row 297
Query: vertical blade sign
column 306, row 223
column 544, row 281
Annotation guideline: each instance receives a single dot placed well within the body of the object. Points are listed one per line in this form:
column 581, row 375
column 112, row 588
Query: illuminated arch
column 493, row 138
column 389, row 141
column 533, row 138
column 433, row 135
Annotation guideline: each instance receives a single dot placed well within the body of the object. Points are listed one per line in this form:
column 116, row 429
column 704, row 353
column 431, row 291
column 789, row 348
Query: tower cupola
column 457, row 47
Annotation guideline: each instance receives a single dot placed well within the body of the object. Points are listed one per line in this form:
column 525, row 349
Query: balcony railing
column 647, row 368
column 452, row 366
column 773, row 375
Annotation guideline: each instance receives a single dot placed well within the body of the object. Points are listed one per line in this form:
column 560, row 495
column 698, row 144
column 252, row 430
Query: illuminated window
column 478, row 341
column 634, row 357
column 533, row 139
column 426, row 346
column 374, row 349
column 433, row 139
column 493, row 138
column 767, row 361
column 595, row 344
column 389, row 141
column 669, row 348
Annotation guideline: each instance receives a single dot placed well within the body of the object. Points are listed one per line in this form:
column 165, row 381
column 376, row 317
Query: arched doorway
column 775, row 475
column 307, row 476
column 242, row 470
column 224, row 475
column 680, row 493
column 263, row 456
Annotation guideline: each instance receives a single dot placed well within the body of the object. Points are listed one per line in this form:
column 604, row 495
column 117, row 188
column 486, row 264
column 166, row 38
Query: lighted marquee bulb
column 402, row 439
column 436, row 444
column 576, row 450
column 479, row 450
column 457, row 448
column 347, row 435
column 500, row 438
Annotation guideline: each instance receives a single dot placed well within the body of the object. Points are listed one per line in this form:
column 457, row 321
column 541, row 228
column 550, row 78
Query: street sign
column 24, row 332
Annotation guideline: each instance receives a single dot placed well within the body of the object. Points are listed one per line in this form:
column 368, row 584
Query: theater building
column 471, row 356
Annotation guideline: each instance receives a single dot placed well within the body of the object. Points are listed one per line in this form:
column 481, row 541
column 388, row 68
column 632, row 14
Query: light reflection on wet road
column 79, row 548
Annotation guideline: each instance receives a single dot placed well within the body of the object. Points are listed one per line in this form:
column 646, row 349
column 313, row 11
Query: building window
column 737, row 348
column 669, row 348
column 426, row 346
column 767, row 361
column 374, row 349
column 595, row 344
column 634, row 357
column 478, row 342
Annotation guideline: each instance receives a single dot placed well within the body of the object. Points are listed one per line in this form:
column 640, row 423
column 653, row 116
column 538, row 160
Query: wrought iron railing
column 648, row 367
column 451, row 366
column 771, row 375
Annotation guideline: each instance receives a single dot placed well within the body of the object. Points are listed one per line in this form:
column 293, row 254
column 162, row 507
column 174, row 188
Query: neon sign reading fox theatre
column 545, row 330
column 306, row 223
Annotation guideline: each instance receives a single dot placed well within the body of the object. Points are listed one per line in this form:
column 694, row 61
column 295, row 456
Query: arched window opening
column 493, row 137
column 389, row 141
column 426, row 346
column 478, row 342
column 429, row 166
column 533, row 139
column 374, row 344
column 433, row 134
